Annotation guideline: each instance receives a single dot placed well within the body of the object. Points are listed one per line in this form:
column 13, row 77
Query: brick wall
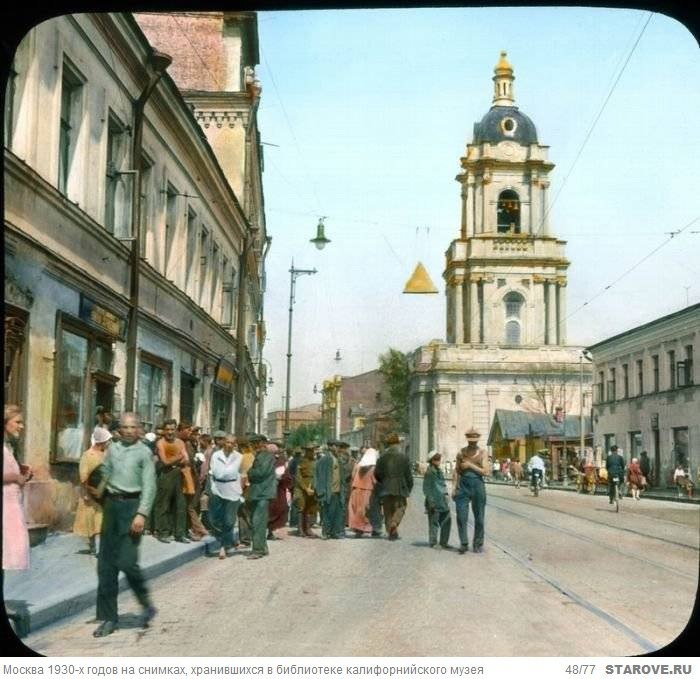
column 362, row 390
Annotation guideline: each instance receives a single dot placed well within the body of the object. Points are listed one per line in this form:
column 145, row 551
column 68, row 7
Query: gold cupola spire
column 503, row 82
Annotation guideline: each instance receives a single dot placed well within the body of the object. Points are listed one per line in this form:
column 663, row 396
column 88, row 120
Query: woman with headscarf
column 362, row 485
column 15, row 536
column 635, row 478
column 88, row 516
column 278, row 508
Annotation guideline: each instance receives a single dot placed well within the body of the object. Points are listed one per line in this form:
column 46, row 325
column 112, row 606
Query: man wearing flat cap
column 471, row 466
column 328, row 484
column 304, row 494
column 262, row 489
column 436, row 502
column 393, row 472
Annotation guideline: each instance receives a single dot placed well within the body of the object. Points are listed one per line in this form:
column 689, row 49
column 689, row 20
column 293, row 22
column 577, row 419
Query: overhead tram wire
column 593, row 125
column 291, row 130
column 580, row 151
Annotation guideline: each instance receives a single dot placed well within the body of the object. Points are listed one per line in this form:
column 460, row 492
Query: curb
column 47, row 612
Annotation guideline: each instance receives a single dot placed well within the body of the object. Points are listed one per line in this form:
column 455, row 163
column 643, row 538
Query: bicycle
column 616, row 494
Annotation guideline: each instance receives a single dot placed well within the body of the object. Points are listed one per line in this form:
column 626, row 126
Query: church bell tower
column 506, row 273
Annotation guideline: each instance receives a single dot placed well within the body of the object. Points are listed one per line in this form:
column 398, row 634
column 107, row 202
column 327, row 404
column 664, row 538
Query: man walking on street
column 471, row 466
column 436, row 502
column 328, row 484
column 262, row 489
column 170, row 502
column 393, row 472
column 128, row 491
column 304, row 493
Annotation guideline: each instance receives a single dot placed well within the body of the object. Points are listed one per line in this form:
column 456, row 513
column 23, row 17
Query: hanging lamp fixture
column 320, row 240
column 420, row 282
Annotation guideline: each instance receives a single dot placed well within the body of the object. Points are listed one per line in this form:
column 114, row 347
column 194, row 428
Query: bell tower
column 506, row 273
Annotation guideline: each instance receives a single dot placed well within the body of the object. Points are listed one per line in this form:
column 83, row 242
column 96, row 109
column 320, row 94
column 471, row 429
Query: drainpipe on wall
column 157, row 63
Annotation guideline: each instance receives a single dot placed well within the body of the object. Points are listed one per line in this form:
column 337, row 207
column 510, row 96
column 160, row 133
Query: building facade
column 308, row 414
column 349, row 401
column 70, row 224
column 506, row 279
column 646, row 394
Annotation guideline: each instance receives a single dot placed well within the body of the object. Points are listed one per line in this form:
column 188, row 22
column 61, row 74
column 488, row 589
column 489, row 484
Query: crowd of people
column 181, row 484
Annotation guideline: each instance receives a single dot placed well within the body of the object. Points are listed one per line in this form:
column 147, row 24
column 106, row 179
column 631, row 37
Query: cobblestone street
column 554, row 580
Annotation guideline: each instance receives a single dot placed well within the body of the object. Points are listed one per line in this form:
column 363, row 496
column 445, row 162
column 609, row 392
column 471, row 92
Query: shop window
column 680, row 446
column 153, row 391
column 84, row 382
column 187, row 397
column 221, row 409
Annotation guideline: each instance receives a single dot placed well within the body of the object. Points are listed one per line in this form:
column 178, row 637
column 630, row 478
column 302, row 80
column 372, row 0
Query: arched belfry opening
column 508, row 212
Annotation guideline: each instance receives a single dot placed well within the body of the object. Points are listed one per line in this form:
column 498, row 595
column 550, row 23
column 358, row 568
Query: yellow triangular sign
column 420, row 283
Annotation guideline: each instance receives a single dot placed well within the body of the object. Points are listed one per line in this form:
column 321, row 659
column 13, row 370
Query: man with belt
column 471, row 466
column 262, row 488
column 129, row 486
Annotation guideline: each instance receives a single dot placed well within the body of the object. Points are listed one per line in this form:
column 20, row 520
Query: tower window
column 508, row 212
column 513, row 304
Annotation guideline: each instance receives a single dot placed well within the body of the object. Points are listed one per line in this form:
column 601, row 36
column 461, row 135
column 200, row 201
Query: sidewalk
column 62, row 582
column 669, row 494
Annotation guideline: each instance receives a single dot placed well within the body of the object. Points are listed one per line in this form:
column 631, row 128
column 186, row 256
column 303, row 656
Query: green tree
column 308, row 433
column 393, row 364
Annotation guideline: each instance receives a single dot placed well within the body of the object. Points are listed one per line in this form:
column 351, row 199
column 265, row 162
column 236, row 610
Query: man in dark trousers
column 261, row 489
column 329, row 484
column 128, row 488
column 393, row 472
column 436, row 502
column 615, row 465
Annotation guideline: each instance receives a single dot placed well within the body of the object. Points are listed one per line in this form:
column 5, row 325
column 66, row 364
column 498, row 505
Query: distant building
column 348, row 402
column 506, row 287
column 308, row 414
column 646, row 394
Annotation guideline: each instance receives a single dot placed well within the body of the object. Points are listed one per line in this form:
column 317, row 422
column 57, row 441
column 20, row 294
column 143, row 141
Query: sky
column 365, row 115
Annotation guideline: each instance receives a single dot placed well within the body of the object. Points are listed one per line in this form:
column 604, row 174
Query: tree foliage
column 394, row 366
column 314, row 432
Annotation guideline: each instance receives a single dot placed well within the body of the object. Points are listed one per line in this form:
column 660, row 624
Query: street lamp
column 294, row 274
column 320, row 241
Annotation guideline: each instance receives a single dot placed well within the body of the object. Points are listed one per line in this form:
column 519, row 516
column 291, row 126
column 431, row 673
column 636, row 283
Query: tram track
column 600, row 523
column 645, row 644
column 583, row 538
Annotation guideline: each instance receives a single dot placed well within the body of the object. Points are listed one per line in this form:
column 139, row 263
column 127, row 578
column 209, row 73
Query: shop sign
column 225, row 374
column 108, row 321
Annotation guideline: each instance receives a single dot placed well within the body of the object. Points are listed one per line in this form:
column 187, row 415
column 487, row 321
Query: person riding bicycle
column 615, row 465
column 536, row 469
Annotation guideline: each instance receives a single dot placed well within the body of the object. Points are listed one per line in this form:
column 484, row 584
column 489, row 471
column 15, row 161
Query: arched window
column 508, row 212
column 513, row 303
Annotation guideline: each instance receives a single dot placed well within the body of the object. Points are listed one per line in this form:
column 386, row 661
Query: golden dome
column 503, row 64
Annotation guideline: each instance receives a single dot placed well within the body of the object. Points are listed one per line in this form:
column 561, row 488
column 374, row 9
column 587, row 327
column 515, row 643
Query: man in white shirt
column 226, row 492
column 536, row 467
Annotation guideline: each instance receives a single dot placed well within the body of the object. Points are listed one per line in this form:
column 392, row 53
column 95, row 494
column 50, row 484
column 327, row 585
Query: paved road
column 561, row 575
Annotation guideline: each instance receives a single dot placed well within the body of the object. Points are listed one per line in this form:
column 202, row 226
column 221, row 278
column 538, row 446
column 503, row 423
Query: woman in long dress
column 88, row 516
column 15, row 537
column 361, row 493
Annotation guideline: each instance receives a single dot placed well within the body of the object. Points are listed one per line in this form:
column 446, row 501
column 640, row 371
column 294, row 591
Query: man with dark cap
column 393, row 472
column 615, row 466
column 328, row 484
column 261, row 489
column 436, row 502
column 304, row 494
column 471, row 465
